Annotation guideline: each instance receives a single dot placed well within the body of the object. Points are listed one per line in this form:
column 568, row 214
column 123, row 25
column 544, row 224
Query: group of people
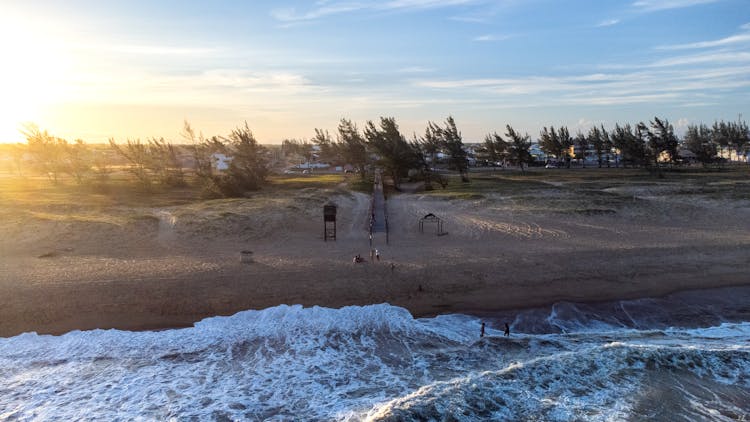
column 374, row 256
column 506, row 334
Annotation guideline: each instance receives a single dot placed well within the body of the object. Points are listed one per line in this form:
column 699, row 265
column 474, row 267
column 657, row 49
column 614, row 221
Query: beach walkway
column 379, row 216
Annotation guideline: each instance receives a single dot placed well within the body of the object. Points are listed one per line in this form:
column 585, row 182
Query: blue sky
column 94, row 70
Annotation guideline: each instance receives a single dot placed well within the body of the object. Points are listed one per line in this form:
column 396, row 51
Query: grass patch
column 305, row 181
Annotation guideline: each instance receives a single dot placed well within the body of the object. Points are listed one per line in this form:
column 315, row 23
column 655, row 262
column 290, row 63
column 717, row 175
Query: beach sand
column 170, row 267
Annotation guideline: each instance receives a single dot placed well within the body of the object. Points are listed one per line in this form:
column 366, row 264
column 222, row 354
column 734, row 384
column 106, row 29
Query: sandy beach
column 172, row 266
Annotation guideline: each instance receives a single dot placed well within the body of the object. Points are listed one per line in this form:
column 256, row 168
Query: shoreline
column 178, row 303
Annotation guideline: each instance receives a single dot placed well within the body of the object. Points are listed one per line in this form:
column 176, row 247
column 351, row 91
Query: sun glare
column 33, row 75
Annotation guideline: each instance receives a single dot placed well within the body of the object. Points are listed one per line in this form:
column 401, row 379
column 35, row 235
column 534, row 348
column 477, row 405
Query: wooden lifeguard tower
column 329, row 222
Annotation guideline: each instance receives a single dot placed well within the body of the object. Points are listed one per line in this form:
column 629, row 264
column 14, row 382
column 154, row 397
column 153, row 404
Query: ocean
column 681, row 357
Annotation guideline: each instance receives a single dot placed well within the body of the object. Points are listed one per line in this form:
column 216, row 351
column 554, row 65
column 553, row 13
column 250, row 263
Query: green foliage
column 661, row 139
column 699, row 141
column 352, row 146
column 152, row 162
column 329, row 151
column 518, row 147
column 47, row 152
column 454, row 146
column 596, row 140
column 247, row 170
column 396, row 155
column 496, row 147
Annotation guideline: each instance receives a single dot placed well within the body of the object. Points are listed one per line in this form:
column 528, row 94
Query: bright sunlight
column 32, row 77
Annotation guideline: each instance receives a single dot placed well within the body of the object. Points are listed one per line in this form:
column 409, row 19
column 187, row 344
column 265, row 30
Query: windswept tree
column 732, row 136
column 518, row 147
column 17, row 153
column 497, row 148
column 165, row 162
column 248, row 169
column 78, row 159
column 699, row 141
column 454, row 146
column 153, row 161
column 137, row 155
column 296, row 149
column 581, row 147
column 423, row 149
column 596, row 140
column 202, row 150
column 329, row 151
column 47, row 152
column 631, row 145
column 396, row 155
column 607, row 144
column 432, row 142
column 566, row 142
column 352, row 146
column 662, row 140
column 549, row 142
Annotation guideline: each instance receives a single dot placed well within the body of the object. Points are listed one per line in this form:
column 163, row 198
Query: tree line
column 646, row 145
column 157, row 162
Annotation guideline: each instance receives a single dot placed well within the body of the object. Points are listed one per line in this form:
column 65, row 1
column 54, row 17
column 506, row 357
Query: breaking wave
column 621, row 360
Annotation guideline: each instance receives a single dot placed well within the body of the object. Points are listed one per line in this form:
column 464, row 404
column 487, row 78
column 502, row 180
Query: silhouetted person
column 419, row 288
column 507, row 330
column 481, row 333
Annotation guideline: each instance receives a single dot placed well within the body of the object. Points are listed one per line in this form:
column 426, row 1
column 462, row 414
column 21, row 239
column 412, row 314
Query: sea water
column 683, row 357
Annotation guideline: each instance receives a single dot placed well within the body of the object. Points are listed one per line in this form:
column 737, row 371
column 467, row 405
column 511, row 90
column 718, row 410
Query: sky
column 95, row 70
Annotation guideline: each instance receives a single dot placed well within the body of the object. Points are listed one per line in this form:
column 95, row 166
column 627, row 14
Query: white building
column 220, row 162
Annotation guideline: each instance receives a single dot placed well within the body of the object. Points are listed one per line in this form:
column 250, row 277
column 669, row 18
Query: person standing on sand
column 481, row 333
column 507, row 330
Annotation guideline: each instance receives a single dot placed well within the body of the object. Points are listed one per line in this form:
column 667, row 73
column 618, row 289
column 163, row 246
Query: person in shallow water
column 507, row 330
column 481, row 333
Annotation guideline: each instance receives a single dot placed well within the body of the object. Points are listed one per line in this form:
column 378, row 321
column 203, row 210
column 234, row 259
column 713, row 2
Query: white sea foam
column 290, row 362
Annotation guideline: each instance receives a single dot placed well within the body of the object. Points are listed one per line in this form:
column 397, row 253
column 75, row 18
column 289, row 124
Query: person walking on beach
column 377, row 254
column 481, row 333
column 507, row 330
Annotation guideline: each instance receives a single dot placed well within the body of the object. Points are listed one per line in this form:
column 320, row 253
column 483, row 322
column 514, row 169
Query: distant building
column 220, row 162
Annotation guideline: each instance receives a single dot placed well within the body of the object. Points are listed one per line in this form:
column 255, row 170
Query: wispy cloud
column 656, row 5
column 708, row 58
column 289, row 15
column 491, row 37
column 639, row 86
column 415, row 69
column 149, row 49
column 608, row 22
column 723, row 42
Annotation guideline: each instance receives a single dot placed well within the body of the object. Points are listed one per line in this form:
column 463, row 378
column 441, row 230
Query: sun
column 33, row 75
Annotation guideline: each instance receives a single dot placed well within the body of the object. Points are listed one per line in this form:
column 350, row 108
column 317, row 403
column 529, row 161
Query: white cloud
column 638, row 86
column 415, row 69
column 608, row 22
column 491, row 37
column 656, row 5
column 734, row 39
column 682, row 123
column 711, row 58
column 331, row 8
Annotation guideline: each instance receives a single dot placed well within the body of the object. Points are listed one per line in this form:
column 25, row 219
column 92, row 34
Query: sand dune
column 152, row 268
